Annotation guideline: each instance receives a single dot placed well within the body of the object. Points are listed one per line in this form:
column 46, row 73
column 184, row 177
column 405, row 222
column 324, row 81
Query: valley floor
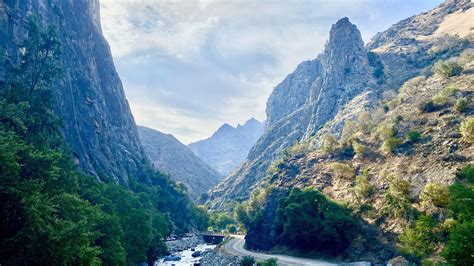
column 236, row 247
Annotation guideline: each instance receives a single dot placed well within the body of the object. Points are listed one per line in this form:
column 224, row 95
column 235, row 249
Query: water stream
column 186, row 258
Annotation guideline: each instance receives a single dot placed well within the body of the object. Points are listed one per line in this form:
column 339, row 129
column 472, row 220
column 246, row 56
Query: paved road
column 236, row 247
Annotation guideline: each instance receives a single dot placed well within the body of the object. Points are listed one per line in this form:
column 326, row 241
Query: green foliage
column 268, row 262
column 408, row 89
column 413, row 136
column 307, row 220
column 329, row 143
column 447, row 68
column 434, row 195
column 389, row 145
column 247, row 261
column 428, row 106
column 467, row 130
column 342, row 170
column 220, row 220
column 397, row 204
column 52, row 214
column 460, row 105
column 418, row 241
column 298, row 148
column 201, row 217
column 467, row 173
column 349, row 131
column 241, row 216
column 363, row 188
column 459, row 248
column 359, row 148
column 231, row 228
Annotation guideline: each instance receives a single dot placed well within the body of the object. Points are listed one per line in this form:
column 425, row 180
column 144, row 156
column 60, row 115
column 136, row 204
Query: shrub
column 467, row 130
column 434, row 195
column 467, row 173
column 231, row 228
column 389, row 145
column 396, row 200
column 268, row 262
column 460, row 105
column 329, row 143
column 307, row 220
column 247, row 261
column 413, row 135
column 359, row 148
column 298, row 148
column 348, row 132
column 365, row 122
column 459, row 248
column 408, row 88
column 383, row 131
column 440, row 100
column 418, row 241
column 428, row 106
column 342, row 170
column 447, row 69
column 363, row 188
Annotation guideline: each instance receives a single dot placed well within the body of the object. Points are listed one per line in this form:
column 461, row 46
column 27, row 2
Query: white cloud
column 190, row 65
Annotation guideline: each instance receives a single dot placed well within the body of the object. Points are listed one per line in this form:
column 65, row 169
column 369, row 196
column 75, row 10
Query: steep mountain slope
column 342, row 81
column 98, row 124
column 228, row 147
column 170, row 156
column 316, row 90
column 390, row 165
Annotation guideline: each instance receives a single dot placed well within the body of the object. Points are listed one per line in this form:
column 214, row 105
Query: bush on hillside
column 413, row 136
column 418, row 241
column 397, row 203
column 467, row 130
column 428, row 106
column 389, row 145
column 460, row 105
column 329, row 143
column 363, row 188
column 434, row 195
column 342, row 170
column 359, row 148
column 447, row 68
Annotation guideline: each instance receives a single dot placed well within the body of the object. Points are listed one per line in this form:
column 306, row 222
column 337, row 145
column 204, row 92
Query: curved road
column 236, row 247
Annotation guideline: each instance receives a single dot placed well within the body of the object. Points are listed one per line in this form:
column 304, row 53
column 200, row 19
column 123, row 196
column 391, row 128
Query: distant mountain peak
column 228, row 146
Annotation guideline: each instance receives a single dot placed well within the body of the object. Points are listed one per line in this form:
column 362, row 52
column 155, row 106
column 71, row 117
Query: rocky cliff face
column 228, row 147
column 302, row 103
column 98, row 124
column 346, row 79
column 170, row 156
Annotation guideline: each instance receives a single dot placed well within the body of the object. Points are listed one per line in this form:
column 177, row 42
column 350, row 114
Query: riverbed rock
column 186, row 242
column 218, row 258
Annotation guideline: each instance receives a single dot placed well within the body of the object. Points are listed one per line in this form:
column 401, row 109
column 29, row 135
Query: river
column 186, row 258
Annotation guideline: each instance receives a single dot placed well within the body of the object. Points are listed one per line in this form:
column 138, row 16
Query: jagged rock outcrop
column 170, row 156
column 228, row 147
column 98, row 124
column 347, row 79
column 302, row 103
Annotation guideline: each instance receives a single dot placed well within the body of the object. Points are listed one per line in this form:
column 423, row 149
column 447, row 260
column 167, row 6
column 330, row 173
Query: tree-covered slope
column 50, row 212
column 405, row 168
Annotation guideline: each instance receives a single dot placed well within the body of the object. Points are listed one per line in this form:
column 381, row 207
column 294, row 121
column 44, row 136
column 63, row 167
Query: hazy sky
column 189, row 66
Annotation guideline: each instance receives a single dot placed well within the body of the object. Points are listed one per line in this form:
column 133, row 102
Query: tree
column 307, row 220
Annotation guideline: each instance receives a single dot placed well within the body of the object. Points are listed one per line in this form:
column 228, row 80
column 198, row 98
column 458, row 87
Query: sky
column 189, row 66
